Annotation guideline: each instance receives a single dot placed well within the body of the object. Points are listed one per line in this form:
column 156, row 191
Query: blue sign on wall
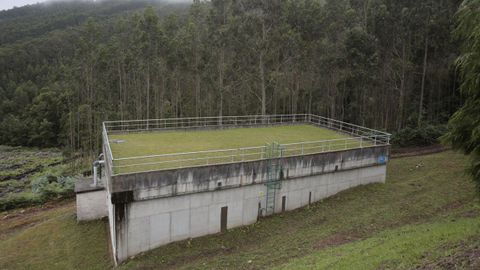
column 382, row 159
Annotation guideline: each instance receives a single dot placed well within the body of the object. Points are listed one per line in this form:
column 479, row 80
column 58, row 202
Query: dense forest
column 67, row 66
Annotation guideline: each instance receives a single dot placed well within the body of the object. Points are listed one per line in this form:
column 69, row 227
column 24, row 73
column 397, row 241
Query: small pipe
column 95, row 174
column 95, row 164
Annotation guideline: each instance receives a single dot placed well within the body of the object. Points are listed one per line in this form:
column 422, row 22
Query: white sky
column 8, row 4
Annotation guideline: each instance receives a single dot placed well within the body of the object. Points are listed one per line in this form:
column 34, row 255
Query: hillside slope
column 32, row 21
column 426, row 215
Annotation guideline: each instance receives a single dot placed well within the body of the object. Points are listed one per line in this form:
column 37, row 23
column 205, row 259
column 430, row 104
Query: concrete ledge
column 86, row 185
column 209, row 178
column 91, row 200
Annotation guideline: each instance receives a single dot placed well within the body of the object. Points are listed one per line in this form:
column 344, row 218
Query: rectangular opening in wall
column 259, row 210
column 284, row 202
column 223, row 219
column 310, row 197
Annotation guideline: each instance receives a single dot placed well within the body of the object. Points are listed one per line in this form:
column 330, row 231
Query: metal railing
column 360, row 137
column 202, row 122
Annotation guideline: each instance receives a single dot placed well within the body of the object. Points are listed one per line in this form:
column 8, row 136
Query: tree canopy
column 381, row 63
column 464, row 126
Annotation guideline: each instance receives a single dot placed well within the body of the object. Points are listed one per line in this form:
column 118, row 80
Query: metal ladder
column 273, row 152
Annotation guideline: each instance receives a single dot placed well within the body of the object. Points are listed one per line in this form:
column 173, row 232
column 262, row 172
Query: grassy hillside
column 425, row 216
column 33, row 21
column 32, row 176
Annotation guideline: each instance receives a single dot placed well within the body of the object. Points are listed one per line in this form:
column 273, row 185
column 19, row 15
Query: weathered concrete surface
column 151, row 223
column 151, row 209
column 149, row 185
column 92, row 205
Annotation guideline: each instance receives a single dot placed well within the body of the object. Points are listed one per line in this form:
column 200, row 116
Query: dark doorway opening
column 223, row 219
column 284, row 202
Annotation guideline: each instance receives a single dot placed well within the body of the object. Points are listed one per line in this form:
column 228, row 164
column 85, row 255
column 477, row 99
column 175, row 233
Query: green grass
column 398, row 248
column 53, row 239
column 18, row 161
column 154, row 143
column 419, row 190
column 425, row 214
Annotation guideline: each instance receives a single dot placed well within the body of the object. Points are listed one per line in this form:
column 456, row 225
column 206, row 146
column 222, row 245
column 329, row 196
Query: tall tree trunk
column 422, row 90
column 310, row 93
column 262, row 73
column 262, row 84
column 220, row 82
column 197, row 75
column 402, row 90
column 120, row 90
column 148, row 92
column 197, row 94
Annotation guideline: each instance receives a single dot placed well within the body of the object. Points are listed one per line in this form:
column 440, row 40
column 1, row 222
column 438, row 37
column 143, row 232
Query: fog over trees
column 66, row 67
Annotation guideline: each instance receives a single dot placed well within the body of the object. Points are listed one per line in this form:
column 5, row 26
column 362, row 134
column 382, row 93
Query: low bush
column 51, row 187
column 421, row 136
column 44, row 188
column 22, row 199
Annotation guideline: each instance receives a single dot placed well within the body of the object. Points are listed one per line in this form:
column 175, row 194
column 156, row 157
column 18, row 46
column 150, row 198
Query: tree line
column 385, row 64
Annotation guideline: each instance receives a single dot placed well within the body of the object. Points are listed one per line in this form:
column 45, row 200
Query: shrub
column 44, row 188
column 421, row 136
column 48, row 187
column 22, row 199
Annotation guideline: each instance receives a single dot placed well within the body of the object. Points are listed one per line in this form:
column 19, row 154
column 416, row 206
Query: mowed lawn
column 425, row 216
column 167, row 142
column 151, row 143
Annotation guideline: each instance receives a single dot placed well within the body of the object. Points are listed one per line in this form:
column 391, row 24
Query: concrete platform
column 91, row 200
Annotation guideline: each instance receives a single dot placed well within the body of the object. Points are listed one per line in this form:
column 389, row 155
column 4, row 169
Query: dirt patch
column 470, row 214
column 452, row 206
column 416, row 151
column 468, row 257
column 336, row 240
column 19, row 219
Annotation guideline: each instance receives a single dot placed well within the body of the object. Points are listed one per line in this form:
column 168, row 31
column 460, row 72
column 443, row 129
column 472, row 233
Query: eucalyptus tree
column 464, row 126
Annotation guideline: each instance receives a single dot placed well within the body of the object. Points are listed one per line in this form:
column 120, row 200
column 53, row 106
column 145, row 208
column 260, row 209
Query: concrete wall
column 149, row 185
column 92, row 205
column 150, row 209
column 152, row 223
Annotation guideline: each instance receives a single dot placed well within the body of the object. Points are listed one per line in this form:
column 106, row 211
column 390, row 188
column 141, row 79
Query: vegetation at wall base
column 423, row 135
